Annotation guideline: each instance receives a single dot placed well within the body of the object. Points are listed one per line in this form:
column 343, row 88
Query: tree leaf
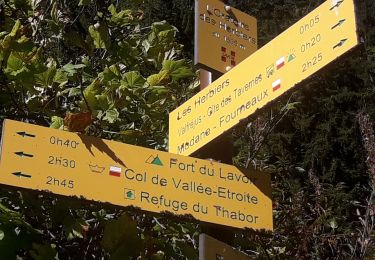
column 121, row 239
column 178, row 69
column 57, row 122
column 77, row 122
column 84, row 2
column 61, row 77
column 71, row 69
column 43, row 252
column 99, row 33
column 133, row 79
column 46, row 78
column 74, row 227
column 110, row 73
column 14, row 64
column 103, row 102
column 161, row 78
column 162, row 26
column 122, row 18
column 90, row 94
column 111, row 115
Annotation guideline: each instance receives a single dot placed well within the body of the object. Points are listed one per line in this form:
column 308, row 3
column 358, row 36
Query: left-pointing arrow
column 22, row 154
column 24, row 134
column 21, row 175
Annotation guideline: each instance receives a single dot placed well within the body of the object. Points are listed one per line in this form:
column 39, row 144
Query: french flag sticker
column 280, row 63
column 276, row 85
column 115, row 171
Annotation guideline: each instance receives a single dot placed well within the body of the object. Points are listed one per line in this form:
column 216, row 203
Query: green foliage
column 316, row 153
column 62, row 58
column 121, row 238
column 43, row 252
column 100, row 35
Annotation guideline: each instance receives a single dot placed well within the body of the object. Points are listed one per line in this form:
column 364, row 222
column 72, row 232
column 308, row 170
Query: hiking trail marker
column 314, row 41
column 224, row 36
column 70, row 164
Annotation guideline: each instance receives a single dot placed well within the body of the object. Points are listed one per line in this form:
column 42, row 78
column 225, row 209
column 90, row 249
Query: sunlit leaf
column 100, row 35
column 72, row 69
column 78, row 122
column 90, row 94
column 122, row 18
column 159, row 79
column 46, row 78
column 111, row 115
column 133, row 79
column 178, row 69
column 110, row 73
column 57, row 122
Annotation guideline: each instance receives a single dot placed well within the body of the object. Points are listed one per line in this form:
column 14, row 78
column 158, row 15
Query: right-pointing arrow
column 341, row 43
column 21, row 175
column 22, row 154
column 338, row 24
column 338, row 3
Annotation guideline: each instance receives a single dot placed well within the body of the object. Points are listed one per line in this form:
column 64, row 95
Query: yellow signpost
column 65, row 163
column 317, row 39
column 224, row 36
column 213, row 249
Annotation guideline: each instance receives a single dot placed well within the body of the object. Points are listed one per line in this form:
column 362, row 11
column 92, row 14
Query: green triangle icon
column 157, row 161
column 291, row 57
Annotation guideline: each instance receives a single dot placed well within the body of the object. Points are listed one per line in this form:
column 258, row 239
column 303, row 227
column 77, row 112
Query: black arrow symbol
column 22, row 154
column 338, row 24
column 20, row 175
column 341, row 43
column 24, row 134
column 338, row 3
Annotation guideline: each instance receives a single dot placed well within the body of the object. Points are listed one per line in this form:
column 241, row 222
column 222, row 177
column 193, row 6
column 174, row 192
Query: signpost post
column 316, row 40
column 65, row 163
column 213, row 249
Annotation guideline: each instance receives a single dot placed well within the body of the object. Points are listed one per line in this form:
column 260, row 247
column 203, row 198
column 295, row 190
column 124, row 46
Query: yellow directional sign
column 317, row 39
column 70, row 164
column 224, row 36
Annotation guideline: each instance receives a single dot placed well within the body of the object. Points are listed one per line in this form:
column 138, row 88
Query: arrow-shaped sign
column 338, row 3
column 338, row 24
column 24, row 134
column 341, row 43
column 22, row 154
column 20, row 175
